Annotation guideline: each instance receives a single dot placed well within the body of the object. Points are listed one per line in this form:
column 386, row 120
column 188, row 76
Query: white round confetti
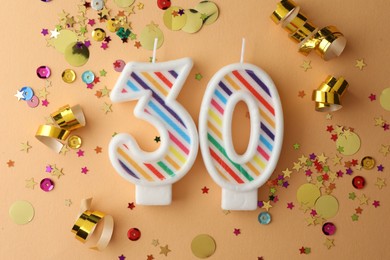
column 21, row 212
column 385, row 99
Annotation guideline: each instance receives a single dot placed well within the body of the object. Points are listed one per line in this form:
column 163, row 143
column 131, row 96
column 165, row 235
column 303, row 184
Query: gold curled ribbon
column 328, row 42
column 51, row 136
column 69, row 118
column 66, row 119
column 87, row 222
column 283, row 9
column 328, row 95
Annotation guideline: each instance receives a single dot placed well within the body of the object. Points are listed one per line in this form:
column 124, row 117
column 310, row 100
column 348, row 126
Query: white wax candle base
column 239, row 200
column 153, row 195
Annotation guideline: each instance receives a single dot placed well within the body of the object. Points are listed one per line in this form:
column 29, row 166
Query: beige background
column 48, row 236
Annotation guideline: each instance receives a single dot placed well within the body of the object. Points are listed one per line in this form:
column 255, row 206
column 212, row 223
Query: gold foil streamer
column 50, row 135
column 67, row 119
column 328, row 95
column 87, row 222
column 328, row 42
column 283, row 9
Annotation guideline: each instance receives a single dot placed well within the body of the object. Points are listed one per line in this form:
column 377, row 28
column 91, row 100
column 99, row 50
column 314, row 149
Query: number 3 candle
column 156, row 85
column 240, row 175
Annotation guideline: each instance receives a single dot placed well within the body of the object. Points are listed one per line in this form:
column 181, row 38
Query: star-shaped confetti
column 164, row 250
column 54, row 34
column 157, row 139
column 198, row 76
column 352, row 196
column 380, row 183
column 329, row 243
column 385, row 150
column 363, row 200
column 205, row 190
column 360, row 64
column 45, row 32
column 98, row 149
column 355, row 217
column 107, row 108
column 80, row 153
column 380, row 168
column 45, row 102
column 103, row 73
column 155, row 242
column 372, row 97
column 68, row 202
column 30, row 183
column 301, row 94
column 306, row 65
column 64, row 150
column 11, row 163
column 358, row 210
column 237, row 231
column 57, row 172
column 25, row 147
column 376, row 203
column 19, row 95
column 131, row 205
column 290, row 205
column 296, row 146
column 122, row 257
column 266, row 205
column 84, row 170
column 149, row 257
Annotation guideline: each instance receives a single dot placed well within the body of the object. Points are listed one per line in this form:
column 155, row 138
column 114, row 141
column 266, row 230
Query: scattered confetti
column 155, row 242
column 306, row 65
column 157, row 139
column 10, row 163
column 237, row 231
column 164, row 250
column 205, row 190
column 25, row 147
column 30, row 183
column 372, row 97
column 68, row 202
column 107, row 108
column 131, row 205
column 329, row 243
column 122, row 257
column 376, row 203
column 198, row 76
column 360, row 64
column 301, row 94
column 84, row 170
column 98, row 149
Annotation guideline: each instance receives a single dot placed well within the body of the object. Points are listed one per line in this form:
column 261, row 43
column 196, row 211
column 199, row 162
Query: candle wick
column 154, row 50
column 242, row 50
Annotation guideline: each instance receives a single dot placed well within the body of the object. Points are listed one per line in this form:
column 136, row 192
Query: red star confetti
column 84, row 170
column 358, row 210
column 131, row 205
column 205, row 190
column 10, row 163
column 290, row 205
column 237, row 231
column 149, row 257
column 372, row 97
column 301, row 93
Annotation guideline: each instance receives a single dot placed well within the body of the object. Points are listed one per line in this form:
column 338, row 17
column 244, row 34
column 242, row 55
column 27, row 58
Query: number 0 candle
column 240, row 175
column 156, row 86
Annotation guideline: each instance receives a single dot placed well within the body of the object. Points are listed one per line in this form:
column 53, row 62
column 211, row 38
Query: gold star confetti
column 48, row 83
column 286, row 173
column 385, row 149
column 322, row 158
column 107, row 108
column 30, row 184
column 164, row 250
column 105, row 91
column 25, row 147
column 155, row 242
column 297, row 166
column 152, row 26
column 328, row 116
column 140, row 6
column 302, row 159
column 68, row 202
column 310, row 221
column 336, row 160
column 42, row 93
column 360, row 64
column 226, row 212
column 380, row 183
column 64, row 150
column 306, row 65
column 329, row 243
column 363, row 199
column 379, row 121
column 267, row 205
column 57, row 172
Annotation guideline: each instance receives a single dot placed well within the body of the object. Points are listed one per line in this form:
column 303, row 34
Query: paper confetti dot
column 203, row 246
column 385, row 99
column 21, row 212
column 327, row 206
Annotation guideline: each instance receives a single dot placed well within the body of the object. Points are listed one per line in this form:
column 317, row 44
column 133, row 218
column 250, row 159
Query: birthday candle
column 156, row 86
column 240, row 175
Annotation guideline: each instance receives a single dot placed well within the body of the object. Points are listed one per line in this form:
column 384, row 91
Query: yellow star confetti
column 363, row 199
column 226, row 212
column 64, row 150
column 57, row 172
column 297, row 166
column 310, row 221
column 140, row 6
column 322, row 158
column 329, row 243
column 328, row 116
column 306, row 65
column 266, row 205
column 336, row 160
column 380, row 183
column 30, row 184
column 107, row 108
column 155, row 242
column 360, row 64
column 385, row 149
column 105, row 91
column 379, row 121
column 68, row 202
column 286, row 173
column 42, row 93
column 25, row 147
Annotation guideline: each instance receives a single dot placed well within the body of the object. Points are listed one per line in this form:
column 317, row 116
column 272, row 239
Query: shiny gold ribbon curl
column 87, row 222
column 327, row 96
column 66, row 119
column 328, row 42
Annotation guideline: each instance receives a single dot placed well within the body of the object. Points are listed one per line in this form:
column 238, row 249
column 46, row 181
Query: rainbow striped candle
column 240, row 175
column 156, row 86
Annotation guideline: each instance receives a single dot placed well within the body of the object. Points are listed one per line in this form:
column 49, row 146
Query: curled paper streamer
column 67, row 119
column 328, row 95
column 87, row 222
column 328, row 42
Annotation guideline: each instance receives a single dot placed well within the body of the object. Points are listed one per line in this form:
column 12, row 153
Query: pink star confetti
column 91, row 22
column 376, row 203
column 372, row 97
column 87, row 43
column 49, row 168
column 45, row 103
column 96, row 80
column 386, row 126
column 290, row 205
column 104, row 45
column 80, row 153
column 237, row 231
column 84, row 170
column 90, row 86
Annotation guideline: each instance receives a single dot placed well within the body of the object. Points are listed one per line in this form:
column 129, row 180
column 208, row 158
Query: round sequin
column 264, row 218
column 21, row 212
column 88, row 77
column 33, row 102
column 47, row 184
column 97, row 5
column 28, row 93
column 119, row 65
column 367, row 162
column 385, row 99
column 175, row 18
column 209, row 11
column 307, row 194
column 358, row 182
column 76, row 54
column 328, row 228
column 74, row 142
column 98, row 34
column 68, row 76
column 133, row 234
column 164, row 4
column 194, row 21
column 348, row 144
column 203, row 246
column 327, row 206
column 43, row 72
